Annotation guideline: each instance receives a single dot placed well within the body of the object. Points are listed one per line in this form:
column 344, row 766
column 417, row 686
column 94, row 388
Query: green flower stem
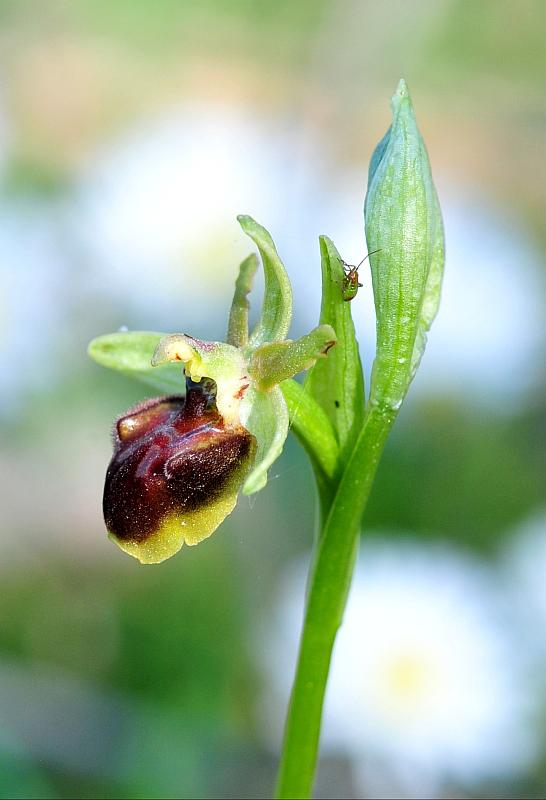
column 329, row 583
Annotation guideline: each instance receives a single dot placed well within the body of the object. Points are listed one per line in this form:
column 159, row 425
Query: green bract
column 241, row 397
column 404, row 222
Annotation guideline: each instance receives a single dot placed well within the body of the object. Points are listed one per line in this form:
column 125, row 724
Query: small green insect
column 350, row 284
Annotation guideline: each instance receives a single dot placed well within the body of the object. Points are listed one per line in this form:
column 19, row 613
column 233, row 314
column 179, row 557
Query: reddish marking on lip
column 239, row 395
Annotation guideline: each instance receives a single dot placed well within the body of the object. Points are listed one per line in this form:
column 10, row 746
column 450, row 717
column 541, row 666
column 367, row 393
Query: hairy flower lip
column 130, row 424
column 174, row 474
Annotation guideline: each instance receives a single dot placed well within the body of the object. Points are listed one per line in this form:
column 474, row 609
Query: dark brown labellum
column 175, row 473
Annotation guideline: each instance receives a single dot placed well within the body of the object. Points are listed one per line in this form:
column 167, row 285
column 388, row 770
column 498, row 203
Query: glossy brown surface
column 171, row 455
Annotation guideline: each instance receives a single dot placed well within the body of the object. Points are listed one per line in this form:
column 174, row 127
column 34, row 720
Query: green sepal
column 274, row 362
column 237, row 333
column 265, row 415
column 276, row 315
column 336, row 382
column 404, row 222
column 131, row 354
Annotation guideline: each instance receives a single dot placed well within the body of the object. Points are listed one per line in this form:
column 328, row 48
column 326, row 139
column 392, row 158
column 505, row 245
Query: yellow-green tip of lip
column 179, row 529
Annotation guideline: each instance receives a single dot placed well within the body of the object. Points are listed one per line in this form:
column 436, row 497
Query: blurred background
column 131, row 134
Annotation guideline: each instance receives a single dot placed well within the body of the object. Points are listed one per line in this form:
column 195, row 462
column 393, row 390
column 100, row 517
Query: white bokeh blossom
column 33, row 312
column 155, row 210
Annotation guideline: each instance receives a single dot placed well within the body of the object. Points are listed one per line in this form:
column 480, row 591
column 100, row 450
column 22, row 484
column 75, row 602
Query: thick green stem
column 329, row 583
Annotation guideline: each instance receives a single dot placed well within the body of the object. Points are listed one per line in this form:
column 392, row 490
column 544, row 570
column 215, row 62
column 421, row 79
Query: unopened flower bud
column 175, row 473
column 404, row 225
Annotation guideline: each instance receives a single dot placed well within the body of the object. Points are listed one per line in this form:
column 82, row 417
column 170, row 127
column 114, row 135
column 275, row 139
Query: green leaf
column 403, row 220
column 336, row 382
column 276, row 315
column 265, row 415
column 276, row 361
column 237, row 334
column 131, row 354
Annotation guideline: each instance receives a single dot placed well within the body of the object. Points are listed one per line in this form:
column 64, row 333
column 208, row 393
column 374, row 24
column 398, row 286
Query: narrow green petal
column 237, row 334
column 276, row 315
column 275, row 362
